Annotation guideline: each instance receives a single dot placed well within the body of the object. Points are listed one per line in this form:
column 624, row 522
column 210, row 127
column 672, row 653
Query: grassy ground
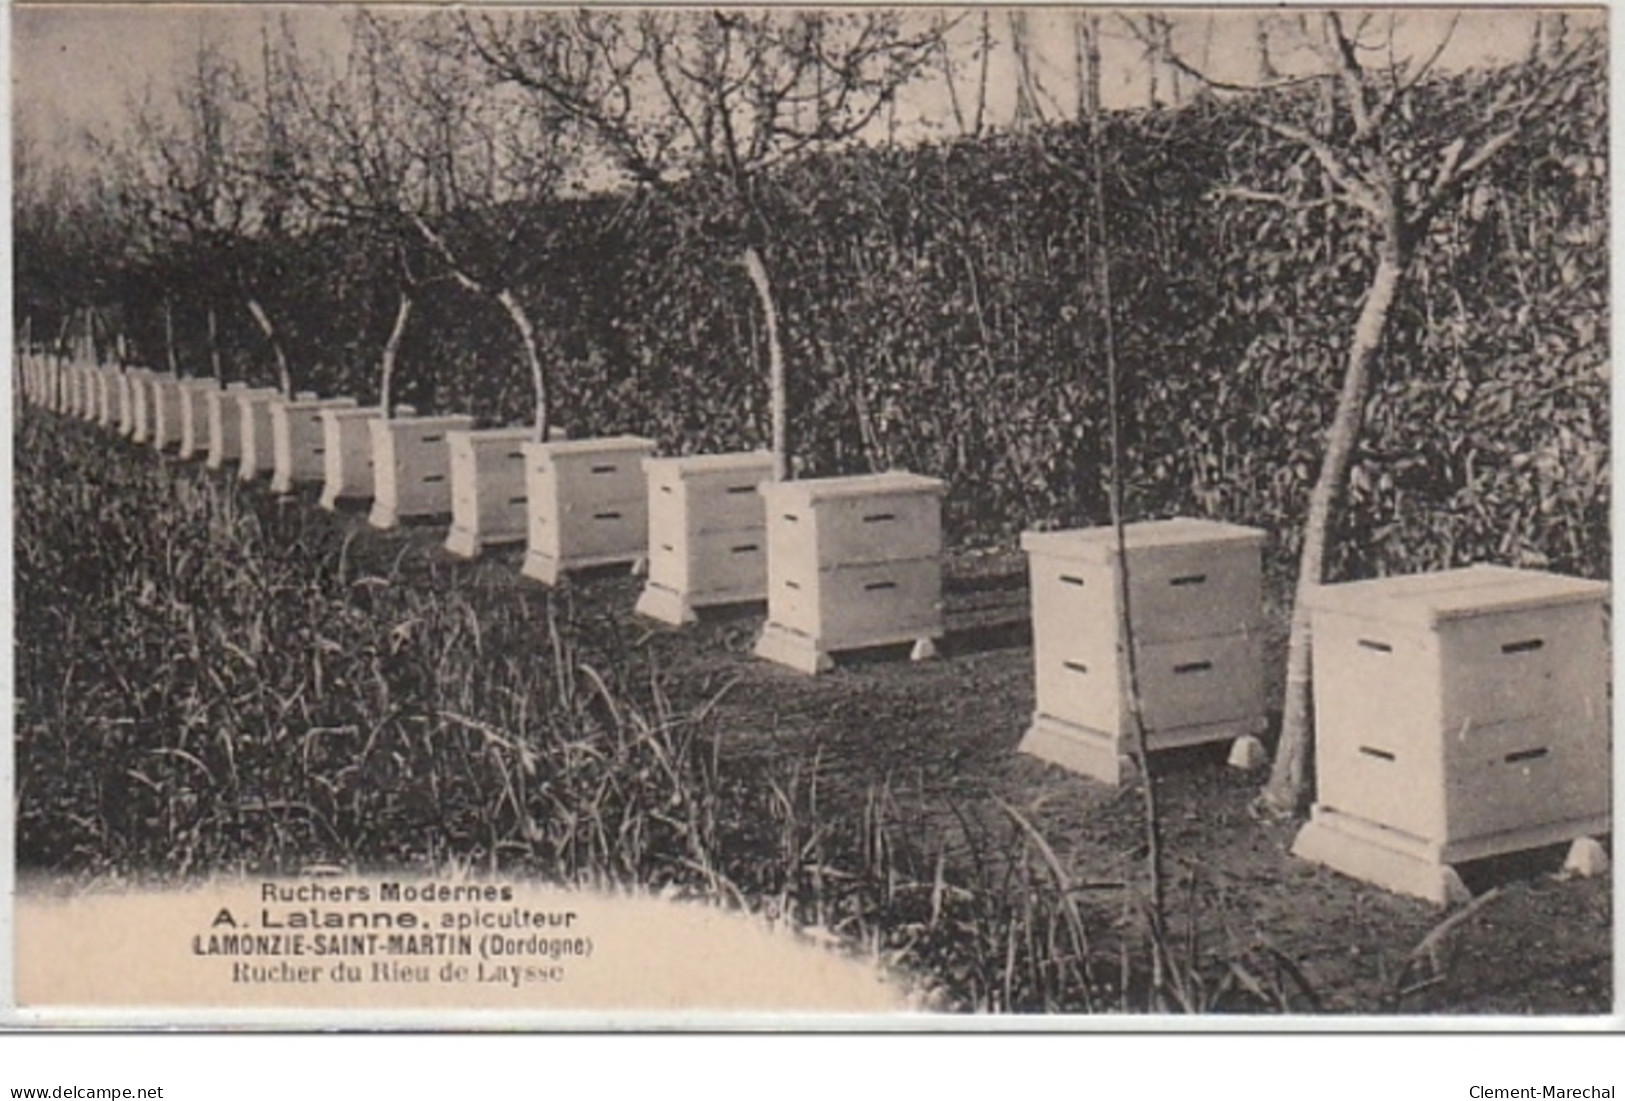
column 212, row 679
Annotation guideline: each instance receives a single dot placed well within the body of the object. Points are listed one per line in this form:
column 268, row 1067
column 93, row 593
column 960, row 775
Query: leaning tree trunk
column 527, row 337
column 775, row 362
column 392, row 348
column 284, row 376
column 1288, row 789
column 215, row 364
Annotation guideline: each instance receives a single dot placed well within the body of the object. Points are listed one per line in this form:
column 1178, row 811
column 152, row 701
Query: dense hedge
column 939, row 315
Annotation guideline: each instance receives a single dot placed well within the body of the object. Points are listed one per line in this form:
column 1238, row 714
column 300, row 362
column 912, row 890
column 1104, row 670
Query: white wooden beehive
column 707, row 533
column 226, row 423
column 1196, row 601
column 1458, row 715
column 144, row 395
column 166, row 412
column 195, row 416
column 587, row 504
column 488, row 498
column 84, row 383
column 298, row 442
column 851, row 563
column 107, row 396
column 347, row 454
column 254, row 432
column 411, row 467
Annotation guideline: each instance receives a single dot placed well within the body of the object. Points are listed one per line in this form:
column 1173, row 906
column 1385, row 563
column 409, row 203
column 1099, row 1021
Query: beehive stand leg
column 1087, row 752
column 541, row 567
column 639, row 567
column 925, row 649
column 1368, row 852
column 1247, row 752
column 1586, row 858
column 794, row 649
column 382, row 515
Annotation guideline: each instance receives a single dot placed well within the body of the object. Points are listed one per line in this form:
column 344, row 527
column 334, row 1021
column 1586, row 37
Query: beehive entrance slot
column 1068, row 579
column 431, row 439
column 1379, row 754
column 879, row 517
column 429, row 479
column 878, row 586
column 741, row 489
column 1076, row 666
column 1188, row 579
column 604, row 468
column 744, row 548
column 606, row 516
column 1373, row 644
column 1193, row 667
column 1523, row 647
column 1526, row 755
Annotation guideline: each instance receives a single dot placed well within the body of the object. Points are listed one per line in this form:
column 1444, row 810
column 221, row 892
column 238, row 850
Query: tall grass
column 209, row 680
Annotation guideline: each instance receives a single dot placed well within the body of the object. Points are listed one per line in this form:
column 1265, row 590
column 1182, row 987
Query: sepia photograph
column 925, row 518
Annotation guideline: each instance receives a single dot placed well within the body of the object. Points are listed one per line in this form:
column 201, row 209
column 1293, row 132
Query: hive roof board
column 1099, row 544
column 701, row 464
column 596, row 443
column 1428, row 599
column 857, row 485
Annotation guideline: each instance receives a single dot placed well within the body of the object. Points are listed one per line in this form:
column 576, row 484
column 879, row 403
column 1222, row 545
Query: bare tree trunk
column 214, row 350
column 1288, row 789
column 527, row 337
column 392, row 347
column 1086, row 57
column 284, row 376
column 775, row 361
column 169, row 337
column 981, row 79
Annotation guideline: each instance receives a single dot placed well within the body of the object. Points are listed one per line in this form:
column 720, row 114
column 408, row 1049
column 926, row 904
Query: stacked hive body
column 298, row 441
column 707, row 533
column 226, row 422
column 195, row 416
column 135, row 404
column 347, row 454
column 588, row 504
column 851, row 563
column 166, row 412
column 411, row 467
column 254, row 456
column 1458, row 715
column 84, row 380
column 488, row 499
column 1195, row 601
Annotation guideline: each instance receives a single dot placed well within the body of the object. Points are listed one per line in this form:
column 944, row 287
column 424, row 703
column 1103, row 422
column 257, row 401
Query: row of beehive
column 843, row 563
column 1458, row 714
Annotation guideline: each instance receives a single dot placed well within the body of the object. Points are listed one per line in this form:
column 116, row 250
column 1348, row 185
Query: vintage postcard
column 860, row 517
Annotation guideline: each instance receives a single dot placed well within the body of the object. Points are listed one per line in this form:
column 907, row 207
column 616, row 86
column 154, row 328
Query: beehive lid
column 446, row 420
column 345, row 412
column 319, row 403
column 857, row 485
column 1428, row 599
column 1099, row 545
column 495, row 435
column 200, row 383
column 596, row 444
column 709, row 464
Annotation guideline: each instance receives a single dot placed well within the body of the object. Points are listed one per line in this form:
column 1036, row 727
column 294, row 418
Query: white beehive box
column 488, row 497
column 195, row 416
column 107, row 396
column 255, row 456
column 226, row 423
column 166, row 412
column 83, row 381
column 347, row 454
column 587, row 504
column 411, row 466
column 1458, row 715
column 1196, row 598
column 707, row 533
column 851, row 563
column 298, row 442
